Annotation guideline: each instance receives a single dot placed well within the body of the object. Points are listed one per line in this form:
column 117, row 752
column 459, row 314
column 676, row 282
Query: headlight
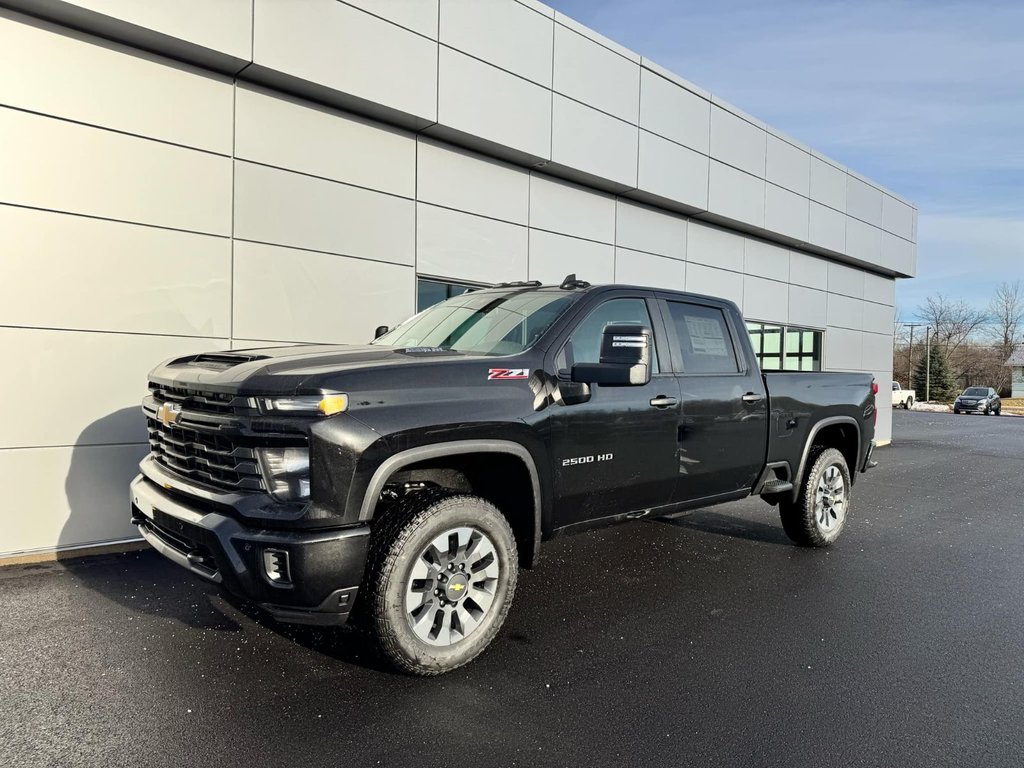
column 286, row 472
column 327, row 403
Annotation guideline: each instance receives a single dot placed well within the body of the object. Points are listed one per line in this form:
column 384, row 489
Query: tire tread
column 798, row 516
column 388, row 541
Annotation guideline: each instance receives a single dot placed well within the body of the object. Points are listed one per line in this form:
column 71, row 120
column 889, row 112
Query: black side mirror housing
column 381, row 330
column 625, row 358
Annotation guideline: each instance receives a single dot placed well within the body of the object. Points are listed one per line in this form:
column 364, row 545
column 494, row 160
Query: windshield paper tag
column 496, row 374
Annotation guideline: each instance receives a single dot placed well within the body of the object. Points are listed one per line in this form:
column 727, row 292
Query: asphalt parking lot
column 708, row 640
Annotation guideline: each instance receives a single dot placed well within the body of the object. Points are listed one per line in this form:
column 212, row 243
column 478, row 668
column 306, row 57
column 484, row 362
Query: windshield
column 483, row 323
column 975, row 392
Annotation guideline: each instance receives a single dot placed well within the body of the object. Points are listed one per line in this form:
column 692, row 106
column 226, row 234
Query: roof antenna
column 571, row 282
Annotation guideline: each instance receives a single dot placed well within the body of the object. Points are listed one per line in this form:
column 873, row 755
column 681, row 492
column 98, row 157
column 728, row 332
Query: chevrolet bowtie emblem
column 169, row 413
column 458, row 587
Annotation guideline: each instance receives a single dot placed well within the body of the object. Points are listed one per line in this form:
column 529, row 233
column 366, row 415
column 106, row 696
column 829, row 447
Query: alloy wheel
column 830, row 500
column 451, row 586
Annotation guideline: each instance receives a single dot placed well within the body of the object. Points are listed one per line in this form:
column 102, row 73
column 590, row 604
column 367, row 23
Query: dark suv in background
column 979, row 400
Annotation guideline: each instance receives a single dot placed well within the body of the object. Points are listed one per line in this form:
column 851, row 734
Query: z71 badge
column 500, row 374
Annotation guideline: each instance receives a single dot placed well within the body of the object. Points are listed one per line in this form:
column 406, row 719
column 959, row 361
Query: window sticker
column 706, row 336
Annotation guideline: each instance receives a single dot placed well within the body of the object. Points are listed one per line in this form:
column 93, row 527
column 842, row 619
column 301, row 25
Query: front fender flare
column 454, row 448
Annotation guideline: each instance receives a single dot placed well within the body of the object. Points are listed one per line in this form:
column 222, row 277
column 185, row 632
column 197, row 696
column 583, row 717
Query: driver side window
column 584, row 346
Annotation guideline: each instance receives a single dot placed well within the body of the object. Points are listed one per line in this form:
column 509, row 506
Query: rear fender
column 815, row 431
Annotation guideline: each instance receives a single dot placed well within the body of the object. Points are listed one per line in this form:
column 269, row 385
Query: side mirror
column 381, row 330
column 625, row 358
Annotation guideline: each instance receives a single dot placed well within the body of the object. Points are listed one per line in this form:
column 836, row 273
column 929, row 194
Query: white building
column 202, row 174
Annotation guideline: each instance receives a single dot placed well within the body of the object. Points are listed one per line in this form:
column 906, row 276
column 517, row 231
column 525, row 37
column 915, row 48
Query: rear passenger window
column 704, row 338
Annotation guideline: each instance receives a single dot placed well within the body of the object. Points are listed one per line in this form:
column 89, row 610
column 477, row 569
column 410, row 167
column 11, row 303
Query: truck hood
column 280, row 370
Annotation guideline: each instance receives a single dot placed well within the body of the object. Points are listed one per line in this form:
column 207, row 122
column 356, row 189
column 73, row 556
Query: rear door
column 616, row 452
column 723, row 422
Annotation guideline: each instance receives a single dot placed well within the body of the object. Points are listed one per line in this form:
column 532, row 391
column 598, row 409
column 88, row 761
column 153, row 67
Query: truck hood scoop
column 219, row 361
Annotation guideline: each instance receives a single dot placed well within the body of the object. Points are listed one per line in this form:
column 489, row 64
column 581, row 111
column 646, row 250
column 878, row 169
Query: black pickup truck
column 406, row 481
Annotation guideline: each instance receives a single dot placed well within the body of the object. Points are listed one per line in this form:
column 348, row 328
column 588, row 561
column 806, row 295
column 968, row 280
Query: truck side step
column 776, row 486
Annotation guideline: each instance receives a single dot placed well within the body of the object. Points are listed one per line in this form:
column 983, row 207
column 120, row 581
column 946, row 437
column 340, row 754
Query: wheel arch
column 840, row 432
column 528, row 528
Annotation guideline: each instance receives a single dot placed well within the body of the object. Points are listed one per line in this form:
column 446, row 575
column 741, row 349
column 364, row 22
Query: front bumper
column 975, row 408
column 324, row 569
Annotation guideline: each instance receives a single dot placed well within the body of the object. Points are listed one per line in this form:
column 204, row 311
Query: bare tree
column 1007, row 311
column 953, row 323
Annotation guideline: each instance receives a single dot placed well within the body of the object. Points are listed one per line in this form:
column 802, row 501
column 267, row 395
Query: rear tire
column 822, row 505
column 433, row 543
column 908, row 404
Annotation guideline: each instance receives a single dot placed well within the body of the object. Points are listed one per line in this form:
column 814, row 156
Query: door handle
column 663, row 402
column 752, row 397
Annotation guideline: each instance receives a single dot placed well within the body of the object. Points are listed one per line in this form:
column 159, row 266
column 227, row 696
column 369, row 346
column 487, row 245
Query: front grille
column 207, row 458
column 196, row 399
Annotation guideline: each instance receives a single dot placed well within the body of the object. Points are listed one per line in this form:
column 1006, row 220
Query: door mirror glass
column 381, row 330
column 625, row 358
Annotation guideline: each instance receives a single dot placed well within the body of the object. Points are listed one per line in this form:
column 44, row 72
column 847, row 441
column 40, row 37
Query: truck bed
column 802, row 401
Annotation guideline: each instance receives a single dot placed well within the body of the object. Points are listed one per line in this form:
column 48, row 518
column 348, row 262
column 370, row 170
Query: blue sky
column 926, row 97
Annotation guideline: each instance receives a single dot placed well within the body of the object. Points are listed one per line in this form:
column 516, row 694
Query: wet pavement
column 707, row 640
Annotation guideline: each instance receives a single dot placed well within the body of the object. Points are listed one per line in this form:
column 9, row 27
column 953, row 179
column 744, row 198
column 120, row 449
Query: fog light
column 276, row 566
column 286, row 472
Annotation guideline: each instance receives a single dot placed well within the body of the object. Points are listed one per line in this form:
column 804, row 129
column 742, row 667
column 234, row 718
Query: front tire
column 441, row 574
column 822, row 506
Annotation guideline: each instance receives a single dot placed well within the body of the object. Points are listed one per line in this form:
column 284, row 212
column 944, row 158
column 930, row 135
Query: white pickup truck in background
column 901, row 396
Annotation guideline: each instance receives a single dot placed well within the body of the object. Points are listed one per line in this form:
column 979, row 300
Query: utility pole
column 910, row 354
column 928, row 364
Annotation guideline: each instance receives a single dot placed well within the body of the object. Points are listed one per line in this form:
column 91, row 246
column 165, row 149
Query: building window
column 782, row 348
column 431, row 292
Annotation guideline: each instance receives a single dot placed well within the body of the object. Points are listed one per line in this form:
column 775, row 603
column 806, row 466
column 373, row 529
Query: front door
column 723, row 422
column 615, row 453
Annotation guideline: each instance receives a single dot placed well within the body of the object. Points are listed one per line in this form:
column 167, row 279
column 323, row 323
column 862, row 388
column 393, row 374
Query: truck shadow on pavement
column 96, row 488
column 347, row 644
column 142, row 582
column 724, row 524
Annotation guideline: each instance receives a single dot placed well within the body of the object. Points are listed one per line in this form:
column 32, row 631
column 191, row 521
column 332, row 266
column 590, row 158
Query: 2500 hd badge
column 587, row 459
column 403, row 483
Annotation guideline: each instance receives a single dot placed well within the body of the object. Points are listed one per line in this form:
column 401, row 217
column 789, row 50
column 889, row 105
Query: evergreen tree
column 943, row 387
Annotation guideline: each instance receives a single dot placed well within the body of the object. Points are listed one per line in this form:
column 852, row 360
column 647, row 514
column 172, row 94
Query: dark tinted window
column 431, row 292
column 976, row 392
column 704, row 338
column 584, row 346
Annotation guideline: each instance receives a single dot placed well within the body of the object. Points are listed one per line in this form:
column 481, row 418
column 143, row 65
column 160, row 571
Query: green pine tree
column 943, row 387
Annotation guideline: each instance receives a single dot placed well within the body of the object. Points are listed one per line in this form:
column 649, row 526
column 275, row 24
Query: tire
column 956, row 411
column 807, row 523
column 908, row 404
column 986, row 412
column 406, row 544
